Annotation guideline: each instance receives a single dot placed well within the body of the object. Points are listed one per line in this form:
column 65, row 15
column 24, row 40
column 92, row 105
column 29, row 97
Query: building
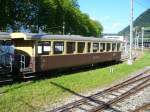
column 121, row 38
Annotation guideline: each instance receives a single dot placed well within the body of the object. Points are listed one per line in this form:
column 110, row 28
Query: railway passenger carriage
column 43, row 52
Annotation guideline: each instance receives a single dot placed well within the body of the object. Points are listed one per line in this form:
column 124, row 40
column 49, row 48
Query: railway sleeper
column 123, row 96
column 111, row 96
column 92, row 103
column 123, row 90
column 115, row 93
column 86, row 107
column 108, row 96
column 104, row 99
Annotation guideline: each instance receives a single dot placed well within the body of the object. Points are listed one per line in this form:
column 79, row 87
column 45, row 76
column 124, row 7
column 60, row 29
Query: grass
column 35, row 95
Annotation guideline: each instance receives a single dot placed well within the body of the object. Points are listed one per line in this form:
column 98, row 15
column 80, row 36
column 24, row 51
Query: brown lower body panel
column 45, row 63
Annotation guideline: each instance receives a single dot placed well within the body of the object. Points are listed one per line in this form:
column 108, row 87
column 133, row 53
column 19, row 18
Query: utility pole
column 63, row 27
column 136, row 37
column 130, row 61
column 137, row 40
column 142, row 38
column 38, row 6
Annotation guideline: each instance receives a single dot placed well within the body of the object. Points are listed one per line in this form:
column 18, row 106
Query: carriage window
column 70, row 47
column 108, row 46
column 102, row 47
column 81, row 47
column 89, row 47
column 39, row 48
column 44, row 48
column 118, row 46
column 95, row 47
column 113, row 46
column 58, row 47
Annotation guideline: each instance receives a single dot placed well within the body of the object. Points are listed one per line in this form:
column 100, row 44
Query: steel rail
column 123, row 96
column 91, row 98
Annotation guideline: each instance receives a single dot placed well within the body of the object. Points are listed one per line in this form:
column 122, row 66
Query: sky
column 114, row 15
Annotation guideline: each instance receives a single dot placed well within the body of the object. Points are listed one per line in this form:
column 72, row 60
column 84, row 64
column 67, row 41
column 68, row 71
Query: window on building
column 44, row 48
column 95, row 47
column 113, row 46
column 70, row 47
column 58, row 47
column 81, row 47
column 108, row 47
column 102, row 47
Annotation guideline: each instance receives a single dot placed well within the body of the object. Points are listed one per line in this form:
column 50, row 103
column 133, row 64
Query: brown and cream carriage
column 43, row 52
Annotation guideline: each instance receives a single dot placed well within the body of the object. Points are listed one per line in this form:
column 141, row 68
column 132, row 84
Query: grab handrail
column 22, row 62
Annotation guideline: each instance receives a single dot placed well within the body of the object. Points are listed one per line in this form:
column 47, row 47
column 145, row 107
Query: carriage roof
column 4, row 36
column 36, row 36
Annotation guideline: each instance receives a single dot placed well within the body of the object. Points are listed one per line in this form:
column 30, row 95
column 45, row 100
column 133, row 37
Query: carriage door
column 24, row 55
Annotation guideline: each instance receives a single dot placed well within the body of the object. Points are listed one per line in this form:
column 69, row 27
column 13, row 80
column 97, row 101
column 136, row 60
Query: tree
column 47, row 16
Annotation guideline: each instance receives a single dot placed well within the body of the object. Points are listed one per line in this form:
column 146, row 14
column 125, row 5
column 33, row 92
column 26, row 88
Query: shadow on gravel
column 89, row 98
column 61, row 72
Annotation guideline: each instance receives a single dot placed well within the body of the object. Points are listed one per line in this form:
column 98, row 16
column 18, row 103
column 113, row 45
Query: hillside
column 142, row 21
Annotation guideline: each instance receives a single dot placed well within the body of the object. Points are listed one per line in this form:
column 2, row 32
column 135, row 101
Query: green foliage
column 15, row 14
column 48, row 16
column 142, row 21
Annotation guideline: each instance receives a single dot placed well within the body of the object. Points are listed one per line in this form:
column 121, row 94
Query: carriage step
column 4, row 72
column 5, row 69
column 28, row 77
column 27, row 71
column 6, row 81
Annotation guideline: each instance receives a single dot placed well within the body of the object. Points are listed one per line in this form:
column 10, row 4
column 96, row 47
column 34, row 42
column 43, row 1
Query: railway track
column 126, row 57
column 105, row 99
column 143, row 108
